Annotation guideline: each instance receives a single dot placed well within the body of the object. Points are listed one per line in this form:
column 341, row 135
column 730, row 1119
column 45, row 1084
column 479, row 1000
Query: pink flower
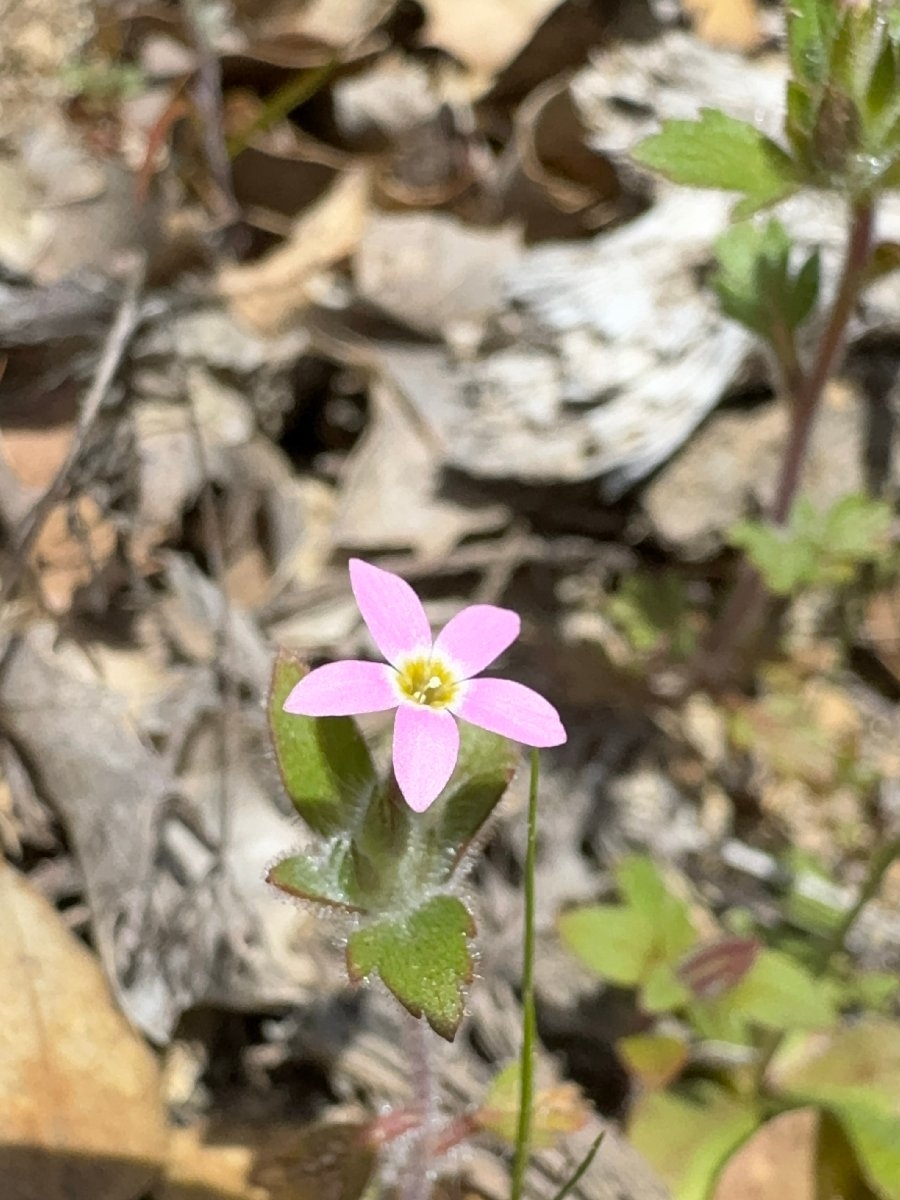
column 429, row 682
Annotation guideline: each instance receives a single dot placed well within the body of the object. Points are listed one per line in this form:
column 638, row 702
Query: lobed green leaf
column 423, row 957
column 718, row 151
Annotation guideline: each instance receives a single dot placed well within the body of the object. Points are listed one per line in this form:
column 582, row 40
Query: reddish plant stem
column 747, row 604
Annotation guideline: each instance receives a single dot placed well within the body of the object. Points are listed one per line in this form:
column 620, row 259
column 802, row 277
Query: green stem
column 529, row 1020
column 582, row 1168
column 878, row 868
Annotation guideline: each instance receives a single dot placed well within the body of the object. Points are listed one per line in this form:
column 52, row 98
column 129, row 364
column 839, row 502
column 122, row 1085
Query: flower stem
column 417, row 1183
column 746, row 606
column 529, row 1020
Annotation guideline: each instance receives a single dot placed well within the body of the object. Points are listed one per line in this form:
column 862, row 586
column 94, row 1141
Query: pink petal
column 342, row 688
column 391, row 609
column 478, row 635
column 426, row 747
column 512, row 710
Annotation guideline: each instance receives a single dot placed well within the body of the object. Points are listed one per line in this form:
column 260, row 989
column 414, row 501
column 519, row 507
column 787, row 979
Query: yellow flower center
column 426, row 681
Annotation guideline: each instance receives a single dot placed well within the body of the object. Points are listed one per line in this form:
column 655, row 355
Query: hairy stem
column 529, row 1020
column 417, row 1183
column 747, row 604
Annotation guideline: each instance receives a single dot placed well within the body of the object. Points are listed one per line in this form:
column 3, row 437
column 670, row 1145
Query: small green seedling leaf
column 718, row 151
column 655, row 1059
column 423, row 957
column 818, row 548
column 638, row 943
column 688, row 1141
column 654, row 613
column 613, row 941
column 310, row 878
column 324, row 762
column 778, row 994
column 756, row 284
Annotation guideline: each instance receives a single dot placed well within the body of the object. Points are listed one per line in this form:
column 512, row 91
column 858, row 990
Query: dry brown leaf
column 75, row 542
column 36, row 454
column 777, row 1161
column 268, row 294
column 81, row 1112
column 484, row 36
column 734, row 24
column 200, row 1170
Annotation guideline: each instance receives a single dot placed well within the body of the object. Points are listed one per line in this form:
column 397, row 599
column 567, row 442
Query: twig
column 215, row 549
column 120, row 333
column 207, row 92
column 529, row 1018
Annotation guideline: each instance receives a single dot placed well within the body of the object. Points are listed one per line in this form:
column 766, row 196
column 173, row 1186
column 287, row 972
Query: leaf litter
column 441, row 322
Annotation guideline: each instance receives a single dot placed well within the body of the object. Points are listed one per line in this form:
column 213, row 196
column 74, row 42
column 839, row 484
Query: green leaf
column 689, row 1141
column 485, row 766
column 812, row 25
column 755, row 282
column 777, row 993
column 662, row 990
column 423, row 957
column 324, row 762
column 718, row 151
column 314, row 879
column 654, row 612
column 854, row 1064
column 875, row 1137
column 636, row 944
column 655, row 1059
column 612, row 940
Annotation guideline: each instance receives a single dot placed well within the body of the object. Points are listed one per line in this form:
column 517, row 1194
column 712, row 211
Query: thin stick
column 120, row 333
column 529, row 1019
column 207, row 90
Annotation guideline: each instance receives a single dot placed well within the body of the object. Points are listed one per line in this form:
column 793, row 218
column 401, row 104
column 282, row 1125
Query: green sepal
column 423, row 957
column 486, row 764
column 380, row 845
column 324, row 762
column 319, row 880
column 718, row 151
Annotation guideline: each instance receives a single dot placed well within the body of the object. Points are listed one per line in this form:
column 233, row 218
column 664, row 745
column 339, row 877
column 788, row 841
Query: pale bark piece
column 81, row 1110
column 390, row 496
column 610, row 352
column 484, row 37
column 430, row 271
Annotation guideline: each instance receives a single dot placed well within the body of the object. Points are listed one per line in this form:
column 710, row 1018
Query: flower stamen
column 428, row 682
